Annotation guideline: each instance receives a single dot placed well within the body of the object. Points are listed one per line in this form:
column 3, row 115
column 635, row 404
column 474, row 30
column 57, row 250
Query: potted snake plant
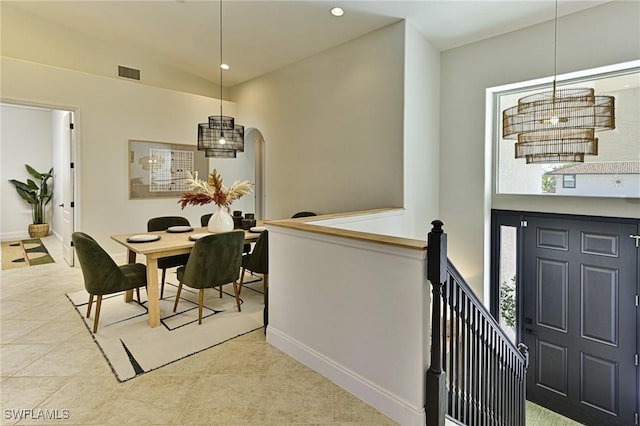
column 38, row 193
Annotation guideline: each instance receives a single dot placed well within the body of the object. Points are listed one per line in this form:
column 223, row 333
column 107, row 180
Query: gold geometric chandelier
column 558, row 126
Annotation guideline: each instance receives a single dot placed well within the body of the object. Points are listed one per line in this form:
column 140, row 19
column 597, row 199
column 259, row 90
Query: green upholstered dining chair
column 258, row 261
column 161, row 224
column 214, row 261
column 204, row 221
column 102, row 275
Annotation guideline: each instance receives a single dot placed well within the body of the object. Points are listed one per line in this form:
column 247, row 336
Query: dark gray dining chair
column 215, row 260
column 102, row 275
column 303, row 214
column 258, row 261
column 204, row 219
column 162, row 223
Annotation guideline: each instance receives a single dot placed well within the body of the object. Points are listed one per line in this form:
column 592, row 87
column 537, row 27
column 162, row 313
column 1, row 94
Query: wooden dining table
column 169, row 244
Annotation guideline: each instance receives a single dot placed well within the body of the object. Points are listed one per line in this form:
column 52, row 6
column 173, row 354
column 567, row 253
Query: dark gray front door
column 580, row 280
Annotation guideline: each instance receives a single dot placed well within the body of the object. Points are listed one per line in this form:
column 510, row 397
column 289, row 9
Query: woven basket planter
column 39, row 230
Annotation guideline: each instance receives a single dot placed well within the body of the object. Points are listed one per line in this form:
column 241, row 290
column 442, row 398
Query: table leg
column 153, row 293
column 128, row 295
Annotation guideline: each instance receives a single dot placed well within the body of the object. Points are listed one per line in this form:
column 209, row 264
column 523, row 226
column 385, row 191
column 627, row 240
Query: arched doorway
column 254, row 136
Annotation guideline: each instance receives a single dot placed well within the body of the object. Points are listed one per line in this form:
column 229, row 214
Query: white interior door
column 68, row 189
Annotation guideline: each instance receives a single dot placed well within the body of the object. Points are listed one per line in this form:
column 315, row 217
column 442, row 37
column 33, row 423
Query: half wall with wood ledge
column 348, row 298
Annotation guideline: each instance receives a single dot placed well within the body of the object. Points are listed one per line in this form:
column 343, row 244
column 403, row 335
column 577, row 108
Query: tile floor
column 540, row 416
column 50, row 364
column 48, row 360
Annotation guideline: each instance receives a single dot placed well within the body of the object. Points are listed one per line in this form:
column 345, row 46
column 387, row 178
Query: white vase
column 220, row 221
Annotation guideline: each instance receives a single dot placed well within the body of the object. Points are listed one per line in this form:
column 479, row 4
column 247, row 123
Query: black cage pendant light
column 558, row 126
column 220, row 136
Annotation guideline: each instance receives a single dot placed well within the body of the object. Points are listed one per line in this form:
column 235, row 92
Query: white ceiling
column 261, row 36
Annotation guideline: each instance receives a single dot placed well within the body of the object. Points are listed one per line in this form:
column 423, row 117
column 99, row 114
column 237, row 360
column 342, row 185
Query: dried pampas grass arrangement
column 213, row 190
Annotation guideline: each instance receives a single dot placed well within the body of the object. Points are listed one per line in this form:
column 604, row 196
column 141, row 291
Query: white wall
column 26, row 139
column 109, row 112
column 598, row 36
column 393, row 222
column 321, row 118
column 421, row 133
column 333, row 127
column 31, row 38
column 355, row 311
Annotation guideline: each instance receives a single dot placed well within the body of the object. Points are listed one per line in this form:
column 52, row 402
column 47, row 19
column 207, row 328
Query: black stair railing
column 477, row 375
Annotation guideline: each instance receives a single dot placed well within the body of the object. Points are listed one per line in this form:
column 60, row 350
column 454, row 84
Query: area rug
column 133, row 348
column 22, row 253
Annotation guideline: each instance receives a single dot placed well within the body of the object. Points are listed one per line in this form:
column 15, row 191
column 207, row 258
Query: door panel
column 599, row 384
column 579, row 282
column 598, row 244
column 552, row 367
column 599, row 305
column 551, row 290
column 553, row 239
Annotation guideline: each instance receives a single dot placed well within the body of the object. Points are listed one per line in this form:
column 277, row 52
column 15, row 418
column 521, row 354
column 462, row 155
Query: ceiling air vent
column 130, row 73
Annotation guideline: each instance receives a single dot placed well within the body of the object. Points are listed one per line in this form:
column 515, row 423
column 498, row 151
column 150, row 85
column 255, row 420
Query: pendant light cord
column 555, row 58
column 555, row 43
column 220, row 66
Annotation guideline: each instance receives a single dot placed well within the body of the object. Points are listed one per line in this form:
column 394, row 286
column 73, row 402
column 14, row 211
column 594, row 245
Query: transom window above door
column 613, row 172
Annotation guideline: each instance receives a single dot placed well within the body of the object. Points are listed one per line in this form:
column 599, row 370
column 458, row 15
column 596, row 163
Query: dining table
column 158, row 244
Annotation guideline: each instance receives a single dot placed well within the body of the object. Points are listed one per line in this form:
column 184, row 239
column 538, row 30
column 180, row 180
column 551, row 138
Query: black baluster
column 465, row 357
column 437, row 275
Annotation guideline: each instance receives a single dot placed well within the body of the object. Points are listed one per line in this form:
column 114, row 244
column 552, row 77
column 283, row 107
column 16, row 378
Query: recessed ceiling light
column 224, row 66
column 337, row 11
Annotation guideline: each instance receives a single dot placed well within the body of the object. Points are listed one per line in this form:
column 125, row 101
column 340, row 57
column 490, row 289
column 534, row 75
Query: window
column 568, row 181
column 600, row 175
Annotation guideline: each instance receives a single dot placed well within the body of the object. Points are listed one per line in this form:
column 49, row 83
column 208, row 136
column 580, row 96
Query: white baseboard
column 10, row 236
column 379, row 398
column 56, row 234
column 24, row 235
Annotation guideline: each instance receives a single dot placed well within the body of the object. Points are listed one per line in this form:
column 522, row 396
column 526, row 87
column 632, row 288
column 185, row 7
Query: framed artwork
column 160, row 169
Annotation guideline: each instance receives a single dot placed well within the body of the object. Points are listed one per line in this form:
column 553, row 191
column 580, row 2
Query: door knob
column 530, row 331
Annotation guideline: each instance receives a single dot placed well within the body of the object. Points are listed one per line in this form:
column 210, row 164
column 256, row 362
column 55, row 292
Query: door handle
column 530, row 331
column 61, row 205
